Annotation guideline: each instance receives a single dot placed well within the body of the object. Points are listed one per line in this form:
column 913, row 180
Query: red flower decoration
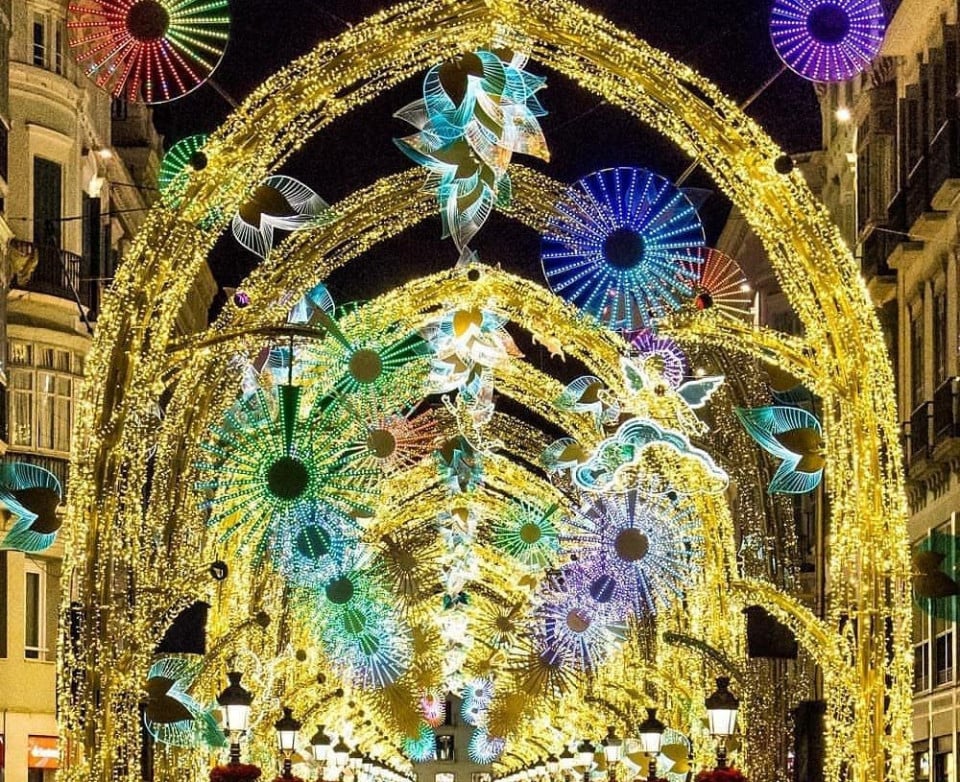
column 721, row 775
column 235, row 772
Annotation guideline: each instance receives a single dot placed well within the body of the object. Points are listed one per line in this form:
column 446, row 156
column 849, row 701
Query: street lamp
column 612, row 751
column 567, row 761
column 355, row 761
column 553, row 766
column 235, row 702
column 321, row 746
column 722, row 707
column 585, row 753
column 287, row 728
column 651, row 739
column 341, row 753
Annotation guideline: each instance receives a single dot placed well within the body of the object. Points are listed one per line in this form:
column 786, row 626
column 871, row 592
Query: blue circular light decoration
column 616, row 247
column 827, row 40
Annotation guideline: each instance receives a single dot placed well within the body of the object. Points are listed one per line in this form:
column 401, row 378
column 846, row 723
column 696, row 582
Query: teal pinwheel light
column 935, row 574
column 527, row 533
column 620, row 247
column 30, row 494
column 477, row 110
column 423, row 748
column 793, row 435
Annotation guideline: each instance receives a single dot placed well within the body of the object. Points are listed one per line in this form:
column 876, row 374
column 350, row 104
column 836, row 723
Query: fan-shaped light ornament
column 639, row 550
column 393, row 442
column 720, row 283
column 31, row 495
column 171, row 715
column 483, row 748
column 589, row 394
column 149, row 51
column 791, row 434
column 935, row 573
column 176, row 166
column 827, row 40
column 661, row 355
column 279, row 203
column 477, row 110
column 527, row 533
column 616, row 247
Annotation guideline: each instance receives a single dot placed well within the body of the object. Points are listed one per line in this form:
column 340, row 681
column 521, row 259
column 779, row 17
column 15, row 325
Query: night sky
column 726, row 40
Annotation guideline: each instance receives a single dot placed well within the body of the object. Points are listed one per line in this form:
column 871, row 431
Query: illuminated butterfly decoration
column 791, row 434
column 171, row 714
column 563, row 455
column 279, row 203
column 651, row 394
column 30, row 494
column 589, row 395
column 460, row 465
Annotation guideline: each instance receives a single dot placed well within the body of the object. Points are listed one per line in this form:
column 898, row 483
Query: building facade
column 77, row 174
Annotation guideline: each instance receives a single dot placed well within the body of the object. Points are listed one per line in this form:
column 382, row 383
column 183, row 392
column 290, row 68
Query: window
column 39, row 41
column 921, row 667
column 939, row 338
column 916, row 354
column 47, row 212
column 35, row 613
column 42, row 381
column 59, row 38
column 921, row 761
column 944, row 657
column 943, row 759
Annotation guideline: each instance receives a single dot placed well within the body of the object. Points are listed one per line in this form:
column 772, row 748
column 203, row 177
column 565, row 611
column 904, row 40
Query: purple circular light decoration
column 827, row 40
column 661, row 354
column 633, row 550
column 241, row 299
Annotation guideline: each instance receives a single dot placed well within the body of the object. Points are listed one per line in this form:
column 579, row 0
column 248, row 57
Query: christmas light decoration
column 662, row 355
column 280, row 203
column 633, row 550
column 477, row 110
column 793, row 435
column 616, row 246
column 171, row 715
column 484, row 748
column 31, row 495
column 719, row 282
column 167, row 546
column 527, row 533
column 175, row 167
column 423, row 748
column 148, row 50
column 827, row 40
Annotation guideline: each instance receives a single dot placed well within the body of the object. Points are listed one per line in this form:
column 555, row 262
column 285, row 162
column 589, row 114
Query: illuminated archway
column 114, row 555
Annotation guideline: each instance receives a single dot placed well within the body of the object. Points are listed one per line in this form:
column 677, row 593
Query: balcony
column 55, row 272
column 946, row 420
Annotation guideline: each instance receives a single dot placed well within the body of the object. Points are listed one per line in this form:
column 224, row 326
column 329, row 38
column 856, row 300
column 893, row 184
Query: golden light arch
column 104, row 535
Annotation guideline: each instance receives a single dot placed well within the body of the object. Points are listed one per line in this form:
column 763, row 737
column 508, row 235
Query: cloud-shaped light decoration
column 171, row 714
column 477, row 110
column 617, row 245
column 31, row 495
column 642, row 456
column 793, row 435
column 280, row 203
column 827, row 40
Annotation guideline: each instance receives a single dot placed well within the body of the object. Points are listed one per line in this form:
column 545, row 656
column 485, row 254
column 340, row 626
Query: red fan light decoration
column 149, row 51
column 719, row 282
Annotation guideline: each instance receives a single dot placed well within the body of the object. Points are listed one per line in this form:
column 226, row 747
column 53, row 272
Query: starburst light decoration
column 484, row 748
column 309, row 543
column 175, row 167
column 423, row 748
column 527, row 533
column 616, row 247
column 152, row 51
column 477, row 110
column 635, row 551
column 433, row 709
column 827, row 40
column 263, row 462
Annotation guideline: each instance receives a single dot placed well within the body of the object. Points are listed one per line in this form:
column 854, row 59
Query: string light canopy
column 616, row 246
column 149, row 51
column 827, row 40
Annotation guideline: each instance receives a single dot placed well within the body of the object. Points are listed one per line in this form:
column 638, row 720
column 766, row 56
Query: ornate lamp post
column 612, row 752
column 651, row 739
column 287, row 728
column 722, row 708
column 553, row 767
column 341, row 754
column 235, row 703
column 321, row 746
column 567, row 762
column 585, row 753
